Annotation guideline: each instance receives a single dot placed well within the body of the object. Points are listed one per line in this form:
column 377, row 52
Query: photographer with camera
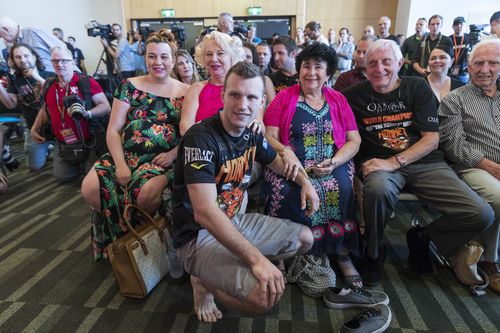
column 225, row 24
column 24, row 89
column 64, row 109
column 122, row 53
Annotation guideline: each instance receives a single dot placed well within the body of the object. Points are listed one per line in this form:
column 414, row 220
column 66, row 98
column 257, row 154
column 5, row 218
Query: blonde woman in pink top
column 217, row 52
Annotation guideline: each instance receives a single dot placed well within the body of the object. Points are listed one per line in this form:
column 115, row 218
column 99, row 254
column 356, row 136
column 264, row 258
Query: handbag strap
column 149, row 219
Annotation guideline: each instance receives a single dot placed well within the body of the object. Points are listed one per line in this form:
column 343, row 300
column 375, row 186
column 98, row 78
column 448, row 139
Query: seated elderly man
column 228, row 254
column 470, row 136
column 398, row 123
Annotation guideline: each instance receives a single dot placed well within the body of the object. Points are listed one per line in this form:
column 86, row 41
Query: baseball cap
column 459, row 19
column 495, row 16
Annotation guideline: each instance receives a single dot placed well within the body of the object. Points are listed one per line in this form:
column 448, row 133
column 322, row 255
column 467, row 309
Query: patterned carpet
column 49, row 282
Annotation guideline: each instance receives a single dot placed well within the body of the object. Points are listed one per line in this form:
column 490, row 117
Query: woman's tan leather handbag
column 139, row 259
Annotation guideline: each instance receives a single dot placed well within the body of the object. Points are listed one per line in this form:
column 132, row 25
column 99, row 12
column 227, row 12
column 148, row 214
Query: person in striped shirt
column 470, row 137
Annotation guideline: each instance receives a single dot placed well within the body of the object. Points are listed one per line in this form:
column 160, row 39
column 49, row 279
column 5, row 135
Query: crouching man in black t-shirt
column 228, row 254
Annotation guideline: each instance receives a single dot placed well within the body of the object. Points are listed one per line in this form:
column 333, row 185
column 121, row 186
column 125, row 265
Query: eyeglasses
column 60, row 61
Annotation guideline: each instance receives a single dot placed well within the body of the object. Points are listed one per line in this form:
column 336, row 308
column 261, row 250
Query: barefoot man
column 228, row 254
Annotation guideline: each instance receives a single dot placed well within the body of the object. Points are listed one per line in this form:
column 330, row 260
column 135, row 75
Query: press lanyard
column 457, row 49
column 59, row 107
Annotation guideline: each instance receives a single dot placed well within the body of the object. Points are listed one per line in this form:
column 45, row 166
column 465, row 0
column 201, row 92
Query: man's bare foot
column 204, row 304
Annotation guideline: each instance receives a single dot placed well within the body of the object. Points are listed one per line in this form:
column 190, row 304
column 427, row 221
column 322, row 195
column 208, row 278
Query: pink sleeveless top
column 210, row 101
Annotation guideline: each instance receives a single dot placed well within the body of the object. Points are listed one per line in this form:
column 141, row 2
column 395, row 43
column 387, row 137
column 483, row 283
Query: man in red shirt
column 69, row 122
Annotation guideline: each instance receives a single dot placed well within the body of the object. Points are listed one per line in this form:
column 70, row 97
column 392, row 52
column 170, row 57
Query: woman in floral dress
column 142, row 137
column 314, row 130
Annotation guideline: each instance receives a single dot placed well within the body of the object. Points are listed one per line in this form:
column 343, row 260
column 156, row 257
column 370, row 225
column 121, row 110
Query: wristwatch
column 401, row 160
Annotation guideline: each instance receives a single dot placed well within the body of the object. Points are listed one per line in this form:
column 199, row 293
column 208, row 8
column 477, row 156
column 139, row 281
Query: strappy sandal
column 353, row 279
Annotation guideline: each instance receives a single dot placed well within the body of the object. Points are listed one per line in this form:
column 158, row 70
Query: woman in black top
column 440, row 61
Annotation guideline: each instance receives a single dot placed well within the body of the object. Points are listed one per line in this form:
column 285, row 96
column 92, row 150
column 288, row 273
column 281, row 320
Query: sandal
column 354, row 280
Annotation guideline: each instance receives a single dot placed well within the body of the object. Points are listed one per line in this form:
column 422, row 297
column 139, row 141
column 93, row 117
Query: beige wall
column 354, row 14
column 477, row 13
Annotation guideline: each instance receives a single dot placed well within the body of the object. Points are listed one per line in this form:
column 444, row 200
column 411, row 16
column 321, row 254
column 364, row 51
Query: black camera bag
column 75, row 153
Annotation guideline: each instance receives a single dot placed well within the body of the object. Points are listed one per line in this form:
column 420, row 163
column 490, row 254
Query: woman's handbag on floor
column 139, row 259
column 313, row 274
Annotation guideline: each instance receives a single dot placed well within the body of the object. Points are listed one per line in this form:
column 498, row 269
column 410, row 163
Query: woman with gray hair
column 217, row 53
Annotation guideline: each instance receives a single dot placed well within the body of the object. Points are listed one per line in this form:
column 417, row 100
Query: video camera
column 240, row 30
column 207, row 30
column 95, row 29
column 144, row 32
column 475, row 32
column 179, row 31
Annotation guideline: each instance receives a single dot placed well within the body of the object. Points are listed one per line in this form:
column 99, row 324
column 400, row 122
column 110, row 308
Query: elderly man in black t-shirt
column 398, row 123
column 228, row 254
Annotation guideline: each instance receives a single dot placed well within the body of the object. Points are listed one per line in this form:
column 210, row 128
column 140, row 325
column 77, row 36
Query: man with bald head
column 470, row 136
column 41, row 40
column 384, row 24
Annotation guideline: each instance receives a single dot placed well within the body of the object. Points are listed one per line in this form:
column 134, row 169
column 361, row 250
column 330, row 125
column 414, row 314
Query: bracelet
column 90, row 115
column 332, row 162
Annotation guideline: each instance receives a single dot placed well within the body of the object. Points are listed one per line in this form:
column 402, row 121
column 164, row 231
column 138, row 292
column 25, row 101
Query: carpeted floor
column 49, row 282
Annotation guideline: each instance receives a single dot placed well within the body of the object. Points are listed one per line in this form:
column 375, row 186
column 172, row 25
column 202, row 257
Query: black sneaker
column 336, row 298
column 372, row 320
column 419, row 258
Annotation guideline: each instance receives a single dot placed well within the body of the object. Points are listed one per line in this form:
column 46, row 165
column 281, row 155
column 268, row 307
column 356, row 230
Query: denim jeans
column 36, row 153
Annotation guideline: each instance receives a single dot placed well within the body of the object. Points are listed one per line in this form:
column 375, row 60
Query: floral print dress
column 152, row 127
column 334, row 224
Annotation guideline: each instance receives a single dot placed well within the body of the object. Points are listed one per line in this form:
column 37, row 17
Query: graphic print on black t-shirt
column 215, row 157
column 231, row 178
column 281, row 81
column 391, row 123
column 209, row 155
column 28, row 92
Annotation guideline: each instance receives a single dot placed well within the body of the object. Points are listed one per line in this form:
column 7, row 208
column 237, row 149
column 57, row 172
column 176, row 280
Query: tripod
column 112, row 79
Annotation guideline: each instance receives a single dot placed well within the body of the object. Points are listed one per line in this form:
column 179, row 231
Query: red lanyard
column 457, row 49
column 60, row 107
